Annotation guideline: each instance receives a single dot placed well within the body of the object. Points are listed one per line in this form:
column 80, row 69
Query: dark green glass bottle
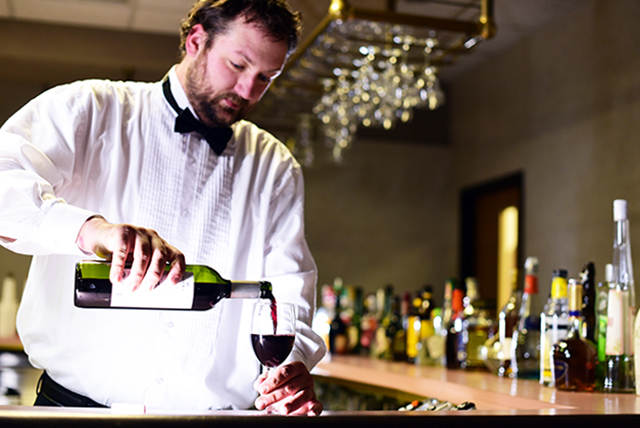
column 201, row 288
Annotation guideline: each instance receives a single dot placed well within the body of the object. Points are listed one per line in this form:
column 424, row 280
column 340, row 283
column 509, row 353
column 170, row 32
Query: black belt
column 51, row 393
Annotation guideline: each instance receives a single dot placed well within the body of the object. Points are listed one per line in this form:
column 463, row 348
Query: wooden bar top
column 491, row 394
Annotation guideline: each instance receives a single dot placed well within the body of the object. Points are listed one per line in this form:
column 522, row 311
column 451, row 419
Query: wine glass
column 273, row 331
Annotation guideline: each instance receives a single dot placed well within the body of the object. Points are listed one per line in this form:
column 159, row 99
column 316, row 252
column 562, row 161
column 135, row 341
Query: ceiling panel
column 157, row 20
column 105, row 14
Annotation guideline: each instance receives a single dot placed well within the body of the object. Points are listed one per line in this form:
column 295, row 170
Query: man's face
column 225, row 82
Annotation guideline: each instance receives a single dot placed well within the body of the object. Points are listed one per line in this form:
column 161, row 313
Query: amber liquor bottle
column 574, row 358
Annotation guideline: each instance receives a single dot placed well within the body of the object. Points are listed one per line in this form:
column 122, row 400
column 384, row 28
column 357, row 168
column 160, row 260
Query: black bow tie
column 186, row 122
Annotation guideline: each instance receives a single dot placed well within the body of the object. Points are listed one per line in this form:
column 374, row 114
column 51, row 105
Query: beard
column 211, row 108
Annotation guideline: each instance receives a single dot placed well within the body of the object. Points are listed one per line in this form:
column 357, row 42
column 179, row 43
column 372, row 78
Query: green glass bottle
column 200, row 289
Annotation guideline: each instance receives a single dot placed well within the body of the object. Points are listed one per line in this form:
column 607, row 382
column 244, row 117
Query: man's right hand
column 144, row 248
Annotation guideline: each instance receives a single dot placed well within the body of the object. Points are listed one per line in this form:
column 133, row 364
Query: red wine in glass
column 272, row 349
column 273, row 331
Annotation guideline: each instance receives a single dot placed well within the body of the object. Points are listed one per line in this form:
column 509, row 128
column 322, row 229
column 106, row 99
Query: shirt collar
column 178, row 92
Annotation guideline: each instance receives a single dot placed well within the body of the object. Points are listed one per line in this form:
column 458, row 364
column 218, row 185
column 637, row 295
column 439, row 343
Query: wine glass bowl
column 273, row 329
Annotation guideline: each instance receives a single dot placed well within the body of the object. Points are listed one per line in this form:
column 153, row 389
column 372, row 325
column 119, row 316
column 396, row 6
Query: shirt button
column 170, row 324
column 185, row 213
column 159, row 380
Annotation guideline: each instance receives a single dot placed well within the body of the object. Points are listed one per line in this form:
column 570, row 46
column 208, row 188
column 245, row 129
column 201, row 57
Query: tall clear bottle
column 619, row 373
column 602, row 296
column 554, row 324
column 525, row 346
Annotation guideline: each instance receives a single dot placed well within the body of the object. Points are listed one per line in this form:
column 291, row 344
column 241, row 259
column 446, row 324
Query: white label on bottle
column 615, row 326
column 165, row 295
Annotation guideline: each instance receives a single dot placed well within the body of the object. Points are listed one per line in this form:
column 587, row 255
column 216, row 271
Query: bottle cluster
column 582, row 340
column 407, row 327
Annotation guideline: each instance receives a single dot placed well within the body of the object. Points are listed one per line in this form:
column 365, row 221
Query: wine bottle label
column 165, row 295
column 618, row 302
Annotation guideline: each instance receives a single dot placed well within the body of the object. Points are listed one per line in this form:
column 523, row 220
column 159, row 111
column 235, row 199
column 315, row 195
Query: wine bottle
column 619, row 373
column 554, row 324
column 525, row 345
column 200, row 289
column 574, row 357
column 588, row 280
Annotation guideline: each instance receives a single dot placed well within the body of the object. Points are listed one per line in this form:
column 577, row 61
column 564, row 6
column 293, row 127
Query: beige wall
column 562, row 106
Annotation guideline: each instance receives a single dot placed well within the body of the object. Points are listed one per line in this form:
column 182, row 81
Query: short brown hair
column 275, row 17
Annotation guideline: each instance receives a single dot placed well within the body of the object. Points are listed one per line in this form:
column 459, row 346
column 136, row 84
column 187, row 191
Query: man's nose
column 246, row 87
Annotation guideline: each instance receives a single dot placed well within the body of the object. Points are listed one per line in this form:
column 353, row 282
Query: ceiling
column 515, row 19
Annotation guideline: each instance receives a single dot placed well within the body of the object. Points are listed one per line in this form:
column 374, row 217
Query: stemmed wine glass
column 273, row 331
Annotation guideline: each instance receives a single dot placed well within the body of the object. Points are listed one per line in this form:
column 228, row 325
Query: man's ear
column 196, row 40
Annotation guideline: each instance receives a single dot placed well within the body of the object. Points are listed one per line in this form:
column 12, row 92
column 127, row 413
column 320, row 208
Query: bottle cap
column 608, row 272
column 559, row 285
column 575, row 297
column 619, row 209
column 531, row 266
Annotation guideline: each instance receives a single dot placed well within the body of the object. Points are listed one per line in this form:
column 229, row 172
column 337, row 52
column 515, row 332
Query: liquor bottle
column 574, row 358
column 554, row 323
column 477, row 325
column 428, row 355
column 497, row 350
column 200, row 289
column 396, row 331
column 619, row 373
column 414, row 329
column 354, row 329
column 338, row 336
column 456, row 351
column 588, row 280
column 525, row 345
column 446, row 305
column 602, row 296
column 368, row 325
column 382, row 346
column 325, row 313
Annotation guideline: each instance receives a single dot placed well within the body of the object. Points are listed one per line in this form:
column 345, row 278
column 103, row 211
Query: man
column 96, row 168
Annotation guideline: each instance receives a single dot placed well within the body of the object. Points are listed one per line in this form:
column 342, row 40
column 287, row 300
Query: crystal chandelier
column 367, row 68
column 382, row 86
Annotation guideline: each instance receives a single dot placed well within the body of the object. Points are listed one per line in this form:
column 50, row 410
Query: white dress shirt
column 108, row 148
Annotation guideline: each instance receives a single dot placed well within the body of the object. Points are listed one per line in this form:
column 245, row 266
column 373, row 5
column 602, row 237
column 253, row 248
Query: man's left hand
column 287, row 390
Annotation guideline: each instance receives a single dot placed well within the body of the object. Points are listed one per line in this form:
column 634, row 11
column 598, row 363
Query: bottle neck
column 575, row 324
column 250, row 290
column 622, row 267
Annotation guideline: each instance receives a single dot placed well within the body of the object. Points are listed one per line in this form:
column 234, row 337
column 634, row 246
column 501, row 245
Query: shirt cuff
column 60, row 228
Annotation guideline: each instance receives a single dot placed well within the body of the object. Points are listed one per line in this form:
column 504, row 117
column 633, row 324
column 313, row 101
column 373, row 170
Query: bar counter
column 499, row 401
column 491, row 394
